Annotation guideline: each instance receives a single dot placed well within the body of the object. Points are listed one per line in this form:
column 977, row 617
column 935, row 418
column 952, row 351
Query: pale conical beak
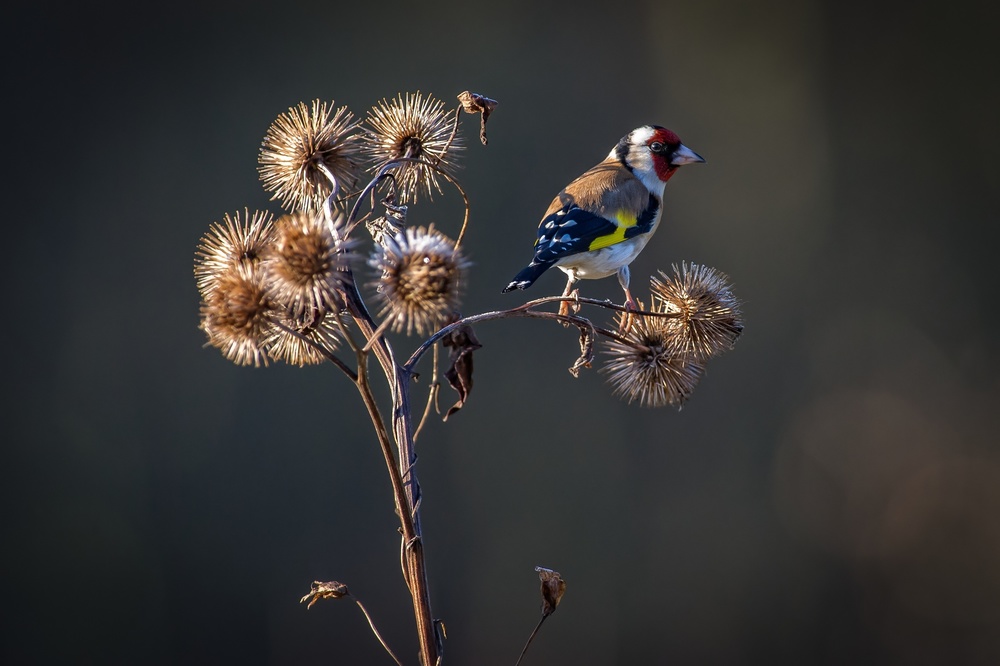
column 684, row 155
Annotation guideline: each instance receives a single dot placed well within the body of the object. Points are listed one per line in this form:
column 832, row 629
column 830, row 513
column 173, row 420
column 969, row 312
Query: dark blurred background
column 828, row 496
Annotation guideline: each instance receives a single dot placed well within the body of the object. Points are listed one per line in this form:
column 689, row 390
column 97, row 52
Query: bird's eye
column 656, row 146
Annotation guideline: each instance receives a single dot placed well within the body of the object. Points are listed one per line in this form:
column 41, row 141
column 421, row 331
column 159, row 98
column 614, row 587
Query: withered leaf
column 476, row 103
column 461, row 343
column 586, row 351
column 329, row 590
column 553, row 588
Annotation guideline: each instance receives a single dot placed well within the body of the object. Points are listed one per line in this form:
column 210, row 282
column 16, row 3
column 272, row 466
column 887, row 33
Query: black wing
column 569, row 230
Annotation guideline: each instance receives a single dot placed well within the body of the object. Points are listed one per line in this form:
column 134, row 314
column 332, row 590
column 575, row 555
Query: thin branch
column 451, row 138
column 379, row 177
column 335, row 190
column 375, row 631
column 431, row 396
column 526, row 310
column 383, row 173
column 530, row 638
column 432, row 393
column 377, row 335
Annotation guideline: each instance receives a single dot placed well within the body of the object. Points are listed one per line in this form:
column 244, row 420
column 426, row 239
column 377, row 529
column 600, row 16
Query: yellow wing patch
column 624, row 220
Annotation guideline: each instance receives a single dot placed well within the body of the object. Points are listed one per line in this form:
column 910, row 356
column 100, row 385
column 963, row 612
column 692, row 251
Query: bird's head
column 653, row 154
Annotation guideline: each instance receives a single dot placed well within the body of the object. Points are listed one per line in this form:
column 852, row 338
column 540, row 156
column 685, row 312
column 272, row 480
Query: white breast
column 606, row 261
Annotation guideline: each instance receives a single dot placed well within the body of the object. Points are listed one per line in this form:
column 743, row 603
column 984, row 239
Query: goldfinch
column 601, row 221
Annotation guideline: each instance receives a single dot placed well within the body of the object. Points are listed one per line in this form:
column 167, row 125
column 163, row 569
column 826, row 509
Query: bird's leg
column 569, row 291
column 630, row 304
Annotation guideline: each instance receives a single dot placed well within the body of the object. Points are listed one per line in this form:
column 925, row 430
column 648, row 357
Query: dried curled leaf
column 586, row 351
column 553, row 588
column 329, row 590
column 461, row 342
column 476, row 103
column 387, row 226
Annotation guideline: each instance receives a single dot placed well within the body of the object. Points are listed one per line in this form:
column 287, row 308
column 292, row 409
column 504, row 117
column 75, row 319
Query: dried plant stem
column 375, row 630
column 530, row 638
column 405, row 487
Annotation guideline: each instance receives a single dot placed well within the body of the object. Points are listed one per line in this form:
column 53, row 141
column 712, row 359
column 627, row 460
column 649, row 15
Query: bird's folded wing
column 571, row 230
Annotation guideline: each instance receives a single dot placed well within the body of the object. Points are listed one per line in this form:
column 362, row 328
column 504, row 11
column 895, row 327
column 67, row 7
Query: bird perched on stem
column 601, row 221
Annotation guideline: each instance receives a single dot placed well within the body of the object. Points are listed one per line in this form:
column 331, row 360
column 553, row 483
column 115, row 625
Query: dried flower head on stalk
column 303, row 149
column 415, row 127
column 237, row 240
column 709, row 315
column 306, row 264
column 422, row 273
column 647, row 366
column 235, row 314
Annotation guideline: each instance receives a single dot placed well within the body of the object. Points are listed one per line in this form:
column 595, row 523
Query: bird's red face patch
column 664, row 136
column 661, row 159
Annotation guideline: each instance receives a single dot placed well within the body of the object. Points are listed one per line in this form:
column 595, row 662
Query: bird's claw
column 627, row 318
column 567, row 307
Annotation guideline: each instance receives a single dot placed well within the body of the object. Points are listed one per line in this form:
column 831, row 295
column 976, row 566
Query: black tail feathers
column 527, row 276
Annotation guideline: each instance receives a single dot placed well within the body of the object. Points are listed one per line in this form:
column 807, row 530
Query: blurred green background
column 828, row 496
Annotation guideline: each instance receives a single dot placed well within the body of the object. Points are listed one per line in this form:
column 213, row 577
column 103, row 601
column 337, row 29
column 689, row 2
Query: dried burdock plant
column 308, row 154
column 285, row 289
column 417, row 132
column 422, row 275
column 236, row 241
column 307, row 264
column 645, row 365
column 708, row 320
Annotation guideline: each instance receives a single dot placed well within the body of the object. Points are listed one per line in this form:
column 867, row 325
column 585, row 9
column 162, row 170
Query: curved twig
column 375, row 630
column 382, row 174
column 379, row 177
column 525, row 310
column 432, row 393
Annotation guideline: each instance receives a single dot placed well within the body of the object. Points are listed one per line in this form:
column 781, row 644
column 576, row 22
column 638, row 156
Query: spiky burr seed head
column 646, row 366
column 415, row 127
column 422, row 274
column 324, row 332
column 708, row 320
column 239, row 240
column 235, row 315
column 306, row 147
column 306, row 265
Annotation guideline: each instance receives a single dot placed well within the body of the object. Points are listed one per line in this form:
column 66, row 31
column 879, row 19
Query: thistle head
column 418, row 129
column 308, row 154
column 422, row 274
